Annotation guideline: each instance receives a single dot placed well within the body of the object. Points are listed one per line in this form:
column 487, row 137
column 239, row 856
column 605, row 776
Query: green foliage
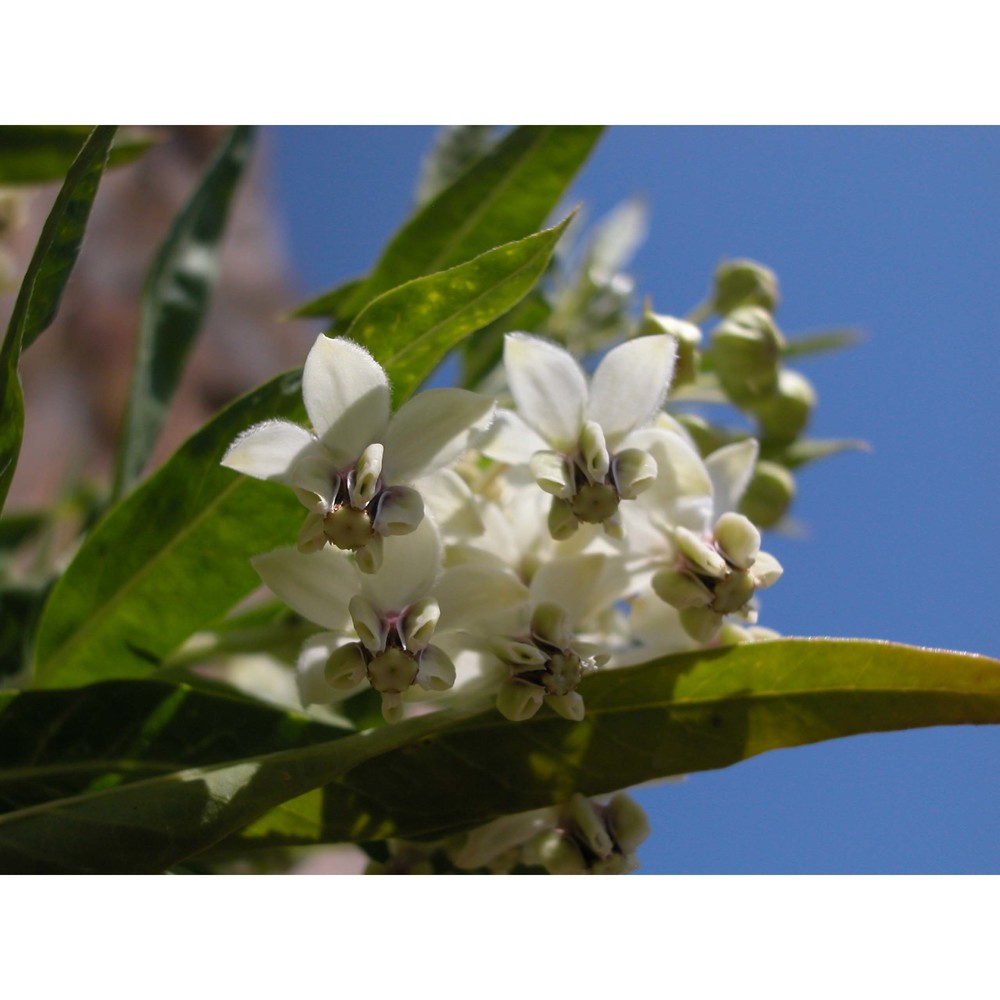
column 174, row 302
column 457, row 768
column 39, row 154
column 42, row 287
column 501, row 198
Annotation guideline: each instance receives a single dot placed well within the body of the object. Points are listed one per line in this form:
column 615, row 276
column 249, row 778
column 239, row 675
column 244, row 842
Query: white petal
column 410, row 564
column 268, row 450
column 510, row 440
column 346, row 395
column 681, row 494
column 580, row 585
column 451, row 503
column 630, row 384
column 549, row 387
column 318, row 585
column 477, row 595
column 731, row 468
column 431, row 430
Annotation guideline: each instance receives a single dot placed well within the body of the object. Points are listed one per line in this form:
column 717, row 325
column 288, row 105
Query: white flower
column 353, row 474
column 706, row 558
column 577, row 437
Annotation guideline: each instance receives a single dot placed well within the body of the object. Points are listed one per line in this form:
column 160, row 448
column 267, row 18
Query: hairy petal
column 318, row 585
column 731, row 468
column 269, row 450
column 630, row 384
column 346, row 394
column 549, row 387
column 510, row 440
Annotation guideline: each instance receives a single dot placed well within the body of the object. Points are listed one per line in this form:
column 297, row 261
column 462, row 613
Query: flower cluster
column 456, row 544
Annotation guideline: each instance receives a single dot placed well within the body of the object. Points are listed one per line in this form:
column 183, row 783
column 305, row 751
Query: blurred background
column 889, row 230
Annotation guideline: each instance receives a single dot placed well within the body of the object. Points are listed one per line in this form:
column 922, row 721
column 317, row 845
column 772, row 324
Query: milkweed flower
column 575, row 434
column 354, row 473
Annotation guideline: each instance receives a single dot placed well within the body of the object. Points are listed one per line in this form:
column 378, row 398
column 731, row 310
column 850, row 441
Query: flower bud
column 345, row 668
column 562, row 521
column 699, row 554
column 518, row 700
column 744, row 283
column 362, row 482
column 737, row 539
column 368, row 623
column 681, row 590
column 418, row 624
column 768, row 495
column 436, row 671
column 627, row 822
column 552, row 473
column 399, row 510
column 633, row 471
column 785, row 414
column 594, row 452
column 702, row 624
column 550, row 623
column 746, row 349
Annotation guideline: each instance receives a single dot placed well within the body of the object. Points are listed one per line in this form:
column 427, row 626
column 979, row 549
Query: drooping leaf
column 820, row 343
column 174, row 301
column 504, row 196
column 418, row 323
column 173, row 556
column 806, row 450
column 461, row 767
column 38, row 154
column 55, row 744
column 42, row 287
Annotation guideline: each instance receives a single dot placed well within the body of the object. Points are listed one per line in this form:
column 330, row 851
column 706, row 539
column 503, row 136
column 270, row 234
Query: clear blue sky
column 890, row 230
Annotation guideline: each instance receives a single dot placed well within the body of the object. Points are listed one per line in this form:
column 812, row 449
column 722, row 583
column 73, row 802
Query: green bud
column 744, row 283
column 737, row 539
column 707, row 437
column 784, row 414
column 681, row 590
column 746, row 349
column 768, row 495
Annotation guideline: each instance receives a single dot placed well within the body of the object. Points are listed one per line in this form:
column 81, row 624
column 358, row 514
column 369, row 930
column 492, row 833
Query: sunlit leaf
column 42, row 287
column 445, row 772
column 504, row 196
column 38, row 154
column 174, row 301
column 455, row 149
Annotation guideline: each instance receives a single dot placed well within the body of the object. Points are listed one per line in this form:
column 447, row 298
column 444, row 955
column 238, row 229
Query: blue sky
column 893, row 230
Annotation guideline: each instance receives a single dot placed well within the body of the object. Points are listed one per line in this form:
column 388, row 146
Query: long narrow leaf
column 504, row 196
column 174, row 302
column 173, row 556
column 42, row 287
column 39, row 154
column 448, row 771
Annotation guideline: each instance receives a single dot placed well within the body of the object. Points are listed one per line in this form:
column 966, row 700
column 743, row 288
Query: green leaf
column 20, row 527
column 416, row 324
column 441, row 773
column 38, row 154
column 42, row 288
column 807, row 450
column 502, row 197
column 821, row 343
column 455, row 149
column 332, row 305
column 55, row 744
column 173, row 556
column 174, row 301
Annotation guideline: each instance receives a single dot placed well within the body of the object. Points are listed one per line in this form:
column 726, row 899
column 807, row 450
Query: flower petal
column 630, row 384
column 731, row 468
column 581, row 585
column 431, row 430
column 318, row 585
column 681, row 494
column 269, row 450
column 451, row 503
column 549, row 387
column 477, row 595
column 310, row 670
column 510, row 440
column 410, row 564
column 346, row 394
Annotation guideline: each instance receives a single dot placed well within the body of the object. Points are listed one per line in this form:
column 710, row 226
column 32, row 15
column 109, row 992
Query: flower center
column 348, row 528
